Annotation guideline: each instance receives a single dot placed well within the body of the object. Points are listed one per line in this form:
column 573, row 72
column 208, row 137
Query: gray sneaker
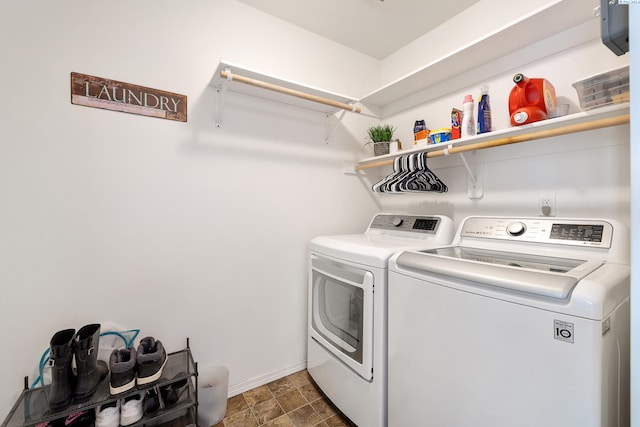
column 151, row 359
column 122, row 364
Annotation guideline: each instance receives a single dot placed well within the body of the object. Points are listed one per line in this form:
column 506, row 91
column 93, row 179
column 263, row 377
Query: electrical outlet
column 547, row 204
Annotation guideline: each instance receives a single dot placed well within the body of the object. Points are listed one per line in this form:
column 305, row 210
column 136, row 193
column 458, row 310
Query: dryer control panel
column 410, row 223
column 593, row 233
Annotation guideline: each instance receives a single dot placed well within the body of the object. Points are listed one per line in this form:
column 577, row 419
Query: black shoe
column 151, row 359
column 171, row 392
column 90, row 370
column 151, row 401
column 62, row 379
column 81, row 419
column 54, row 423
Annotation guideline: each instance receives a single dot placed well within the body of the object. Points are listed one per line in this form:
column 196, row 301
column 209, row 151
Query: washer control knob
column 397, row 222
column 516, row 228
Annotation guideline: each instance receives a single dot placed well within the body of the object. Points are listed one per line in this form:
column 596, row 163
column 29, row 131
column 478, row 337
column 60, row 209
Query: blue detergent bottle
column 484, row 111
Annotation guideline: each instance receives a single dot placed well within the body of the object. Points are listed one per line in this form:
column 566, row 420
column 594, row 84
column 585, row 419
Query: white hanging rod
column 264, row 85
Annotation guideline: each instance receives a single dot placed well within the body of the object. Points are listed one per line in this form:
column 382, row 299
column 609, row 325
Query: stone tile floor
column 292, row 401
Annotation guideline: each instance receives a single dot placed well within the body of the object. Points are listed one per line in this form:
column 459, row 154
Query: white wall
column 179, row 229
column 486, row 16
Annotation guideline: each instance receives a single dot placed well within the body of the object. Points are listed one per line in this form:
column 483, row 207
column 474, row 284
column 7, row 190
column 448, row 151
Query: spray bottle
column 484, row 111
column 468, row 121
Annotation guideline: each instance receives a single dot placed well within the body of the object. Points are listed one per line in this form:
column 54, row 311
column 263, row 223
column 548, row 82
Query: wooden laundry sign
column 98, row 92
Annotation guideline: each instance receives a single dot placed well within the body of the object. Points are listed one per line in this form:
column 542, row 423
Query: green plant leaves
column 380, row 133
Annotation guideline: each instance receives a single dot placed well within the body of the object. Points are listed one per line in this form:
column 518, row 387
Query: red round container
column 530, row 100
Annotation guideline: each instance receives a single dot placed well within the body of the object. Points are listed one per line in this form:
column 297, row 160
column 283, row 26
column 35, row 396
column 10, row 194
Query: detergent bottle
column 468, row 124
column 484, row 111
column 530, row 100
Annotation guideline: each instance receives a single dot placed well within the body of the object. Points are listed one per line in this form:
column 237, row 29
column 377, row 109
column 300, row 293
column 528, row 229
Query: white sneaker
column 108, row 415
column 131, row 410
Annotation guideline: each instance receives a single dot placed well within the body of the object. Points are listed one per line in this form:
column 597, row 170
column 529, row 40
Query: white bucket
column 213, row 389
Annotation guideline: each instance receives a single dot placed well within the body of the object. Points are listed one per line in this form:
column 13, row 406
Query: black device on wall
column 614, row 25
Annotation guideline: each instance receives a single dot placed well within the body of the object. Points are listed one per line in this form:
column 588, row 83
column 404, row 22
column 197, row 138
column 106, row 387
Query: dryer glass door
column 342, row 312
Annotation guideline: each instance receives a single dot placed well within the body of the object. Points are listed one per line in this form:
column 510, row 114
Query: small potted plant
column 380, row 136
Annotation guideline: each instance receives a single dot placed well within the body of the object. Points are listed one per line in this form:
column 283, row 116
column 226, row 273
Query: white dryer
column 521, row 322
column 347, row 318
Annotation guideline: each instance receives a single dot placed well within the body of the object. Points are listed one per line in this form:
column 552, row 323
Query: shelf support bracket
column 349, row 168
column 474, row 178
column 222, row 93
column 475, row 188
column 329, row 132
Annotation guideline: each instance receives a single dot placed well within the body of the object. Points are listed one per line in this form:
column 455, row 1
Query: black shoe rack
column 32, row 407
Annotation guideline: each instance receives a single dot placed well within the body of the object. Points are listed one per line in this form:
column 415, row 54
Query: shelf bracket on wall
column 328, row 131
column 222, row 91
column 475, row 189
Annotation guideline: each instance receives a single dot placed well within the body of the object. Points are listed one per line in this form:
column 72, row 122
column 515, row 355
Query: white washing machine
column 521, row 322
column 348, row 314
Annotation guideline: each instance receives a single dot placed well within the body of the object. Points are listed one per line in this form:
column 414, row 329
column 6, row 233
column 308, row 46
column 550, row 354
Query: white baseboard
column 236, row 389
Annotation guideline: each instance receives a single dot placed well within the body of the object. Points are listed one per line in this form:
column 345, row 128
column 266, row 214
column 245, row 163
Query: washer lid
column 546, row 276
